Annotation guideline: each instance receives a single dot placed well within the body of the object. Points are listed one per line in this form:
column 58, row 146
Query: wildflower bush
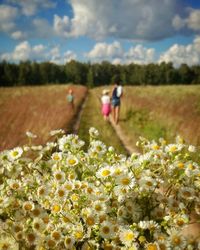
column 58, row 196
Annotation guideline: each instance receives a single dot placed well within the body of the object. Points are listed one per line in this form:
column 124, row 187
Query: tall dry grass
column 37, row 109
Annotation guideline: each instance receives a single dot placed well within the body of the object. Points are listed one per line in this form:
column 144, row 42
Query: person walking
column 116, row 102
column 70, row 99
column 106, row 104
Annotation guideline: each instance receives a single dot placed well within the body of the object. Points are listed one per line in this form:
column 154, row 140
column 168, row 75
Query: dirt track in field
column 36, row 109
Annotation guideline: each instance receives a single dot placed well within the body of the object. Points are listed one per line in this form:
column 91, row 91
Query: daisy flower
column 126, row 181
column 56, row 208
column 69, row 242
column 99, row 206
column 57, row 156
column 57, row 132
column 61, row 192
column 56, row 235
column 93, row 132
column 15, row 153
column 187, row 193
column 31, row 135
column 38, row 225
column 147, row 183
column 50, row 243
column 28, row 206
column 72, row 161
column 152, row 246
column 127, row 236
column 106, row 230
column 68, row 185
column 31, row 238
column 104, row 172
column 177, row 241
column 59, row 176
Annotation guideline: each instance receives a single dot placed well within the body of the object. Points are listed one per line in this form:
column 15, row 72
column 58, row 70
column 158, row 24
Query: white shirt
column 105, row 99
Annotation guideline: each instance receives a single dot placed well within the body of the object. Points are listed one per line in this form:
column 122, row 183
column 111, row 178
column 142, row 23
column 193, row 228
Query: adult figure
column 116, row 102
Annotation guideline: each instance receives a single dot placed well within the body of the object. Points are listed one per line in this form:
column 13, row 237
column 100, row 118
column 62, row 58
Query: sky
column 118, row 31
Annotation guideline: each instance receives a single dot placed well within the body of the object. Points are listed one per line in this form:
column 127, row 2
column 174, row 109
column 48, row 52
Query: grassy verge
column 92, row 117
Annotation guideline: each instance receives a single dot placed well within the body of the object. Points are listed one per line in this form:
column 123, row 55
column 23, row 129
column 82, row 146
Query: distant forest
column 96, row 74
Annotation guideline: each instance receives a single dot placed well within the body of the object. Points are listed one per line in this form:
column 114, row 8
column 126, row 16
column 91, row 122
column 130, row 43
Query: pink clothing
column 106, row 109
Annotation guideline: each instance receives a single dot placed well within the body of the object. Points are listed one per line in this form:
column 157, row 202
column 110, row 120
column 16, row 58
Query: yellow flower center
column 56, row 235
column 149, row 183
column 30, row 237
column 180, row 165
column 74, row 197
column 56, row 208
column 58, row 176
column 97, row 207
column 152, row 247
column 78, row 235
column 106, row 230
column 90, row 221
column 15, row 153
column 155, row 147
column 176, row 240
column 173, row 149
column 105, row 172
column 51, row 243
column 28, row 207
column 129, row 236
column 125, row 181
column 56, row 157
column 71, row 162
column 68, row 241
column 15, row 185
column 61, row 193
column 187, row 193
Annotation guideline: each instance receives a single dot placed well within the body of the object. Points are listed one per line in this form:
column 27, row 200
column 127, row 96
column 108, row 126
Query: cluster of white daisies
column 60, row 196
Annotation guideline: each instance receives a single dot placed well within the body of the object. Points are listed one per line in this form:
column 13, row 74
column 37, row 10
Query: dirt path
column 77, row 119
column 123, row 138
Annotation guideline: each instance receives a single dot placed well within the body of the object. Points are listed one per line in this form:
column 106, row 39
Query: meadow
column 80, row 193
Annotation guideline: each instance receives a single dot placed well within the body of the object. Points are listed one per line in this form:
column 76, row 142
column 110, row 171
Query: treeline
column 105, row 73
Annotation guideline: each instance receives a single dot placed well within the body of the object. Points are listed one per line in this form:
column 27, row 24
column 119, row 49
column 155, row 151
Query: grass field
column 152, row 112
column 163, row 111
column 35, row 109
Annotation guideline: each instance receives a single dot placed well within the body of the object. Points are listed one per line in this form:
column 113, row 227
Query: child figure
column 70, row 98
column 106, row 104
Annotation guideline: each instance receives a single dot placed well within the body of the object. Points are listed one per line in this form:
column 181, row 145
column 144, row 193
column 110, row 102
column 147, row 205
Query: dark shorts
column 115, row 102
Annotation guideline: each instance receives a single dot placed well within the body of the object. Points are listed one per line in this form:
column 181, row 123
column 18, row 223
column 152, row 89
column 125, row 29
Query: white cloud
column 8, row 15
column 139, row 54
column 69, row 55
column 24, row 51
column 131, row 19
column 61, row 25
column 179, row 54
column 18, row 35
column 116, row 54
column 30, row 7
column 105, row 51
column 191, row 22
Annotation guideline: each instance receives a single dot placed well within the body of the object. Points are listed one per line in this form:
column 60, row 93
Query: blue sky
column 120, row 31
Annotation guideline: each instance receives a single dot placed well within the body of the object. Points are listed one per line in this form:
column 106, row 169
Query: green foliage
column 97, row 74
